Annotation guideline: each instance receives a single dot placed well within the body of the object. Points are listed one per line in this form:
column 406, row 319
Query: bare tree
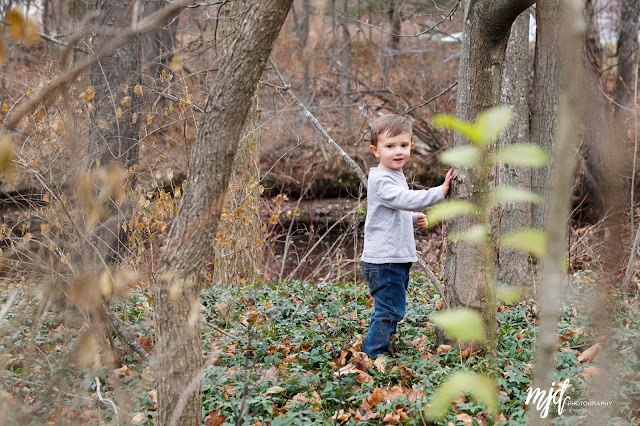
column 514, row 266
column 627, row 48
column 115, row 125
column 237, row 246
column 544, row 105
column 486, row 33
column 177, row 291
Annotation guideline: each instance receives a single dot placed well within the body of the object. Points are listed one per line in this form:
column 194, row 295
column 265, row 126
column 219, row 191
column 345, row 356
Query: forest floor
column 290, row 355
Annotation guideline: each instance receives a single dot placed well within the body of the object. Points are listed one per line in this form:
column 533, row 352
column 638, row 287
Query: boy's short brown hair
column 391, row 125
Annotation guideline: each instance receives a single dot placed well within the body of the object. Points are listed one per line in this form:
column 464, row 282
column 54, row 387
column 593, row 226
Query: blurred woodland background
column 123, row 124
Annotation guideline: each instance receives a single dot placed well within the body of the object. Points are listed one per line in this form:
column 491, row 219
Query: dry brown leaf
column 466, row 419
column 138, row 418
column 300, row 398
column 589, row 372
column 443, row 348
column 407, row 372
column 341, row 415
column 361, row 361
column 343, row 358
column 365, row 413
column 364, row 377
column 414, row 394
column 380, row 363
column 271, row 373
column 347, row 369
column 391, row 418
column 215, row 419
column 590, row 354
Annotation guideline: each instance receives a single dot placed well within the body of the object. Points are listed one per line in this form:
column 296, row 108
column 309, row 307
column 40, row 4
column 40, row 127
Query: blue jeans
column 388, row 285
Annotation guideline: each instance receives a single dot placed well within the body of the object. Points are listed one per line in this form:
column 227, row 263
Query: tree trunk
column 514, row 266
column 627, row 49
column 487, row 26
column 345, row 83
column 177, row 303
column 114, row 121
column 115, row 125
column 544, row 110
column 237, row 245
column 157, row 45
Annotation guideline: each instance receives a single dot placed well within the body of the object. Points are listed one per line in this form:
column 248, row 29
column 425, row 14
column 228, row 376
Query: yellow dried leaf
column 119, row 112
column 125, row 89
column 134, row 118
column 88, row 94
column 137, row 89
column 15, row 20
column 3, row 60
column 126, row 101
column 175, row 62
column 5, row 107
column 149, row 118
column 31, row 32
column 103, row 125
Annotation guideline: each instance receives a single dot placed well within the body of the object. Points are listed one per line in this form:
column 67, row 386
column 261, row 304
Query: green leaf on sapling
column 528, row 240
column 461, row 323
column 449, row 209
column 492, row 122
column 462, row 156
column 512, row 194
column 522, row 154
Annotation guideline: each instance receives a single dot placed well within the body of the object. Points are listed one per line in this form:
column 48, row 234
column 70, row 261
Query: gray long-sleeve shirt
column 388, row 229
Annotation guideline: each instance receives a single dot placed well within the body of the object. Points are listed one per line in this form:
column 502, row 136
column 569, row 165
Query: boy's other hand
column 422, row 221
column 447, row 182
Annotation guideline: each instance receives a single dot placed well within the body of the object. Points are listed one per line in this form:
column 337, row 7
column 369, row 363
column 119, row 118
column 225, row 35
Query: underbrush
column 289, row 355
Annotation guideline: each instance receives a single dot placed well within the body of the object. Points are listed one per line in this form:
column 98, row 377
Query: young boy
column 389, row 247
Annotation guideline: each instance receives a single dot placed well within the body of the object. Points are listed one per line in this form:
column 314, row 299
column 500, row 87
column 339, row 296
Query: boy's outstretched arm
column 447, row 182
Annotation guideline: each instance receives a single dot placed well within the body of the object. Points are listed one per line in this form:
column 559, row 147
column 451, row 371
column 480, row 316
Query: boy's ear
column 374, row 149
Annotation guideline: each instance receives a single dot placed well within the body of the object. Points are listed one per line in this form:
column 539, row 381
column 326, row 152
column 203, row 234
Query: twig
column 62, row 43
column 106, row 401
column 149, row 23
column 432, row 99
column 125, row 335
column 9, row 303
column 219, row 330
column 444, row 18
column 434, row 280
column 287, row 88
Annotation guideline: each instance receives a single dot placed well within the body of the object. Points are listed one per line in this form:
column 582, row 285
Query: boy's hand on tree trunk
column 447, row 182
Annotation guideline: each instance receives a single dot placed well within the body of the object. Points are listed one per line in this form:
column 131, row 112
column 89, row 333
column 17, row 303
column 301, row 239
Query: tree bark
column 115, row 125
column 487, row 26
column 544, row 110
column 627, row 48
column 158, row 44
column 237, row 245
column 514, row 266
column 177, row 303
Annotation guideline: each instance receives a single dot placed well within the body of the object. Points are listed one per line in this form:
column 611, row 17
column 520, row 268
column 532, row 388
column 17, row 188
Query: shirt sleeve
column 397, row 197
column 414, row 216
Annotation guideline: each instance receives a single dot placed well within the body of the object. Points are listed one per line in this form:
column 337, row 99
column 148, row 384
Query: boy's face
column 393, row 152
